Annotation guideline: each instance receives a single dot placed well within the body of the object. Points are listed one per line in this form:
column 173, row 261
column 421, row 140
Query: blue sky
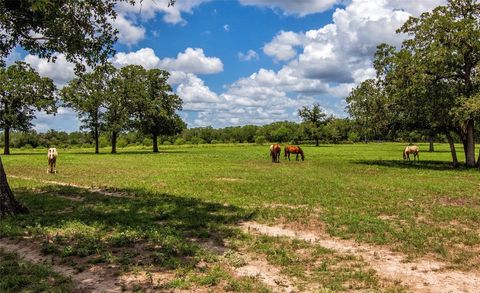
column 243, row 62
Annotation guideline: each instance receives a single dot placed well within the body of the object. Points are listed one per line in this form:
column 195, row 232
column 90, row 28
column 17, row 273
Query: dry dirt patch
column 252, row 267
column 95, row 279
column 423, row 275
column 267, row 274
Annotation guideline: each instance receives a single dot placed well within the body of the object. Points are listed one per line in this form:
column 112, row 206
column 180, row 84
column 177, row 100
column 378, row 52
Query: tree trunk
column 452, row 149
column 155, row 143
column 96, row 139
column 470, row 144
column 6, row 150
column 114, row 142
column 430, row 148
column 8, row 204
column 478, row 160
column 317, row 142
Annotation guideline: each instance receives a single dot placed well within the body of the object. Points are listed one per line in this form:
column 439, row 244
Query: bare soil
column 422, row 275
column 95, row 279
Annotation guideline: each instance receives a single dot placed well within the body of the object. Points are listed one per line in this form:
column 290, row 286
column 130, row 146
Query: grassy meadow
column 176, row 221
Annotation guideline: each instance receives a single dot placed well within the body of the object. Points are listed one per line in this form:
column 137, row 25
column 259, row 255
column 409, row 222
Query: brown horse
column 275, row 153
column 291, row 149
column 411, row 149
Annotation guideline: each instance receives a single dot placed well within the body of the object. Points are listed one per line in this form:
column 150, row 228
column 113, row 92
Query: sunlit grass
column 362, row 192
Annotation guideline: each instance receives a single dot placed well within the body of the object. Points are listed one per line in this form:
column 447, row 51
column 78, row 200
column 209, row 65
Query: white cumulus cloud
column 283, row 46
column 61, row 71
column 147, row 10
column 128, row 32
column 193, row 61
column 189, row 61
column 294, row 7
column 145, row 57
column 248, row 56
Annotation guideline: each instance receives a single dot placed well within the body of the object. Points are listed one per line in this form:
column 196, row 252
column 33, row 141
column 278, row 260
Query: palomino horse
column 275, row 153
column 411, row 149
column 292, row 149
column 52, row 160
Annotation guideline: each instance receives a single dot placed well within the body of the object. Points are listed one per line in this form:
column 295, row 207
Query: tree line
column 331, row 131
column 108, row 100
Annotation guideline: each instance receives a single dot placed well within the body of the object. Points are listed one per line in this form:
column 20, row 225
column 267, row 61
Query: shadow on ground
column 160, row 230
column 426, row 165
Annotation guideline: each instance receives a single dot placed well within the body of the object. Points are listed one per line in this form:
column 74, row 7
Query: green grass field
column 185, row 198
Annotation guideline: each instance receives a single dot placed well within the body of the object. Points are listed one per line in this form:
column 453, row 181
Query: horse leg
column 296, row 158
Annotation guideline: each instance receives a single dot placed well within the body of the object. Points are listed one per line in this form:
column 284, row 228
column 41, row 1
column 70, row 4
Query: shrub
column 147, row 142
column 260, row 139
column 27, row 146
column 122, row 142
column 180, row 141
column 353, row 136
column 103, row 142
column 197, row 140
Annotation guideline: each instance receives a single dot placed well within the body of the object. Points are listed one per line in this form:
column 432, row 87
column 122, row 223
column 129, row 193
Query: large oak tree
column 88, row 95
column 23, row 92
column 313, row 118
column 446, row 44
column 154, row 110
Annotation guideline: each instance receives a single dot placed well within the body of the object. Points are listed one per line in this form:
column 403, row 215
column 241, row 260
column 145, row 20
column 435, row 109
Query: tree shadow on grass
column 26, row 154
column 160, row 230
column 424, row 165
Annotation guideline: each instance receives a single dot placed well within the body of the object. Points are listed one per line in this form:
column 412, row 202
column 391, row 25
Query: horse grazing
column 52, row 160
column 275, row 153
column 291, row 149
column 411, row 149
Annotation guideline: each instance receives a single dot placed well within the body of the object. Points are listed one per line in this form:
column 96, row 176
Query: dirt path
column 92, row 280
column 254, row 267
column 89, row 188
column 267, row 274
column 419, row 276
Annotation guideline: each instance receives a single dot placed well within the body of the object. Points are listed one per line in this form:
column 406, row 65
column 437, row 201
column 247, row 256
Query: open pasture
column 182, row 219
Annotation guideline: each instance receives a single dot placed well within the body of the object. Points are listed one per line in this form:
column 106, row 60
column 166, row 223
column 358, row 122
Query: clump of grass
column 21, row 276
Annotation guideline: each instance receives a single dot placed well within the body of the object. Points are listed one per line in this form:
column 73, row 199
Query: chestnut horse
column 275, row 153
column 291, row 149
column 411, row 149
